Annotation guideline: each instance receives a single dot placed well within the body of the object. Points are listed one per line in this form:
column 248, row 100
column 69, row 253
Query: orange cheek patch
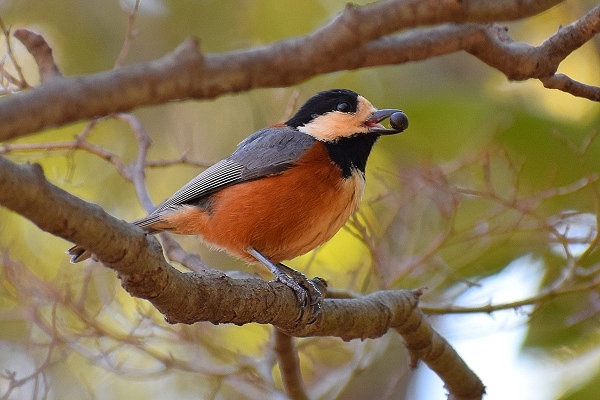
column 333, row 125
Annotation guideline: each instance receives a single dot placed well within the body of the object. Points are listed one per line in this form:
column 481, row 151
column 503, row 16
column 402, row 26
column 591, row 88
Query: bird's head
column 340, row 113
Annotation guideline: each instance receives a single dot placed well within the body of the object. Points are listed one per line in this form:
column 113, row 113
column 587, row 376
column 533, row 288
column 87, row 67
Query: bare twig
column 18, row 81
column 136, row 173
column 537, row 300
column 41, row 52
column 289, row 365
column 79, row 144
column 182, row 160
column 129, row 37
column 564, row 83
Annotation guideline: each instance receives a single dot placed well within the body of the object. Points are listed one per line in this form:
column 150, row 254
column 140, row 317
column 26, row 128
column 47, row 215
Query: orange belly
column 282, row 216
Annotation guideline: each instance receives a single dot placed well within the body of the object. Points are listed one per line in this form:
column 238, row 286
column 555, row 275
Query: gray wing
column 269, row 151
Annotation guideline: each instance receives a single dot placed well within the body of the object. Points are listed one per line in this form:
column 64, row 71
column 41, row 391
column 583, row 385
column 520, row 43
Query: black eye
column 343, row 107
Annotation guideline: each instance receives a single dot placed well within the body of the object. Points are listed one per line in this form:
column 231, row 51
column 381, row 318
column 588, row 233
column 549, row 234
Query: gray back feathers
column 267, row 152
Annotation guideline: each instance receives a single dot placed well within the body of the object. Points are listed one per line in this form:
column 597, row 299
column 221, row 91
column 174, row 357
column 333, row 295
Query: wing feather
column 269, row 151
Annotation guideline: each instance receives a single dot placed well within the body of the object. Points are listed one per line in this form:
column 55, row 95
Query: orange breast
column 282, row 216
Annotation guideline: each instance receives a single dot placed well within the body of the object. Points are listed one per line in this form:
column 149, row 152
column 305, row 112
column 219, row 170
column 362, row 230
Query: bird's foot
column 309, row 292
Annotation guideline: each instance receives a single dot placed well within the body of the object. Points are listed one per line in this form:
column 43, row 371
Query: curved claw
column 315, row 290
column 302, row 294
column 309, row 293
column 316, row 295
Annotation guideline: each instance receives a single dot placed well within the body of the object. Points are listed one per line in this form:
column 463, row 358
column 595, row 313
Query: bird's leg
column 307, row 292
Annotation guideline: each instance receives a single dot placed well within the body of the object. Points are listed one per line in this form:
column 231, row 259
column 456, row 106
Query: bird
column 286, row 189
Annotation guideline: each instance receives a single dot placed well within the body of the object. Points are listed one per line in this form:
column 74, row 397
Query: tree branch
column 186, row 73
column 41, row 52
column 211, row 295
column 492, row 45
column 289, row 365
column 564, row 83
column 356, row 38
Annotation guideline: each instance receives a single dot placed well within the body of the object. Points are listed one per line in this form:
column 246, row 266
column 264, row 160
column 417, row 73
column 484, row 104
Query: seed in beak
column 399, row 121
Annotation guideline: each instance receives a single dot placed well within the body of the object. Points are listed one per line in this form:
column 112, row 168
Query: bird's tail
column 78, row 254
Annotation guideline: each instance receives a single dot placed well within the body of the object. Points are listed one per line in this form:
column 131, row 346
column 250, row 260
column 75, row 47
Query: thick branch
column 211, row 295
column 492, row 45
column 64, row 100
column 138, row 259
column 521, row 61
column 435, row 353
column 188, row 74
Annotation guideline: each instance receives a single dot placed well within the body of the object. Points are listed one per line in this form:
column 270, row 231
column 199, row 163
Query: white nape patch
column 335, row 124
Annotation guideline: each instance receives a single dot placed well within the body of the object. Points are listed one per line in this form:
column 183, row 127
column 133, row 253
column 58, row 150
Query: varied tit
column 286, row 189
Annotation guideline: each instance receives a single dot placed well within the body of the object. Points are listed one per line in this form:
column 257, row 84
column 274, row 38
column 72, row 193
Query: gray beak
column 398, row 121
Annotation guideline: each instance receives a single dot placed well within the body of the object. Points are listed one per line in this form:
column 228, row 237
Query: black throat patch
column 351, row 153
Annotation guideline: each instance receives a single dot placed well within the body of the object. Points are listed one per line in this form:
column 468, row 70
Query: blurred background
column 489, row 200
